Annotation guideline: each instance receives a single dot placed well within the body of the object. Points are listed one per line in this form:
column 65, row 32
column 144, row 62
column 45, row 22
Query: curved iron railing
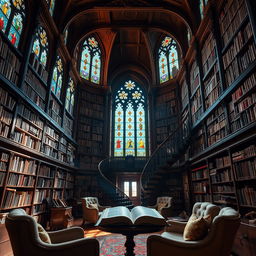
column 166, row 153
column 115, row 194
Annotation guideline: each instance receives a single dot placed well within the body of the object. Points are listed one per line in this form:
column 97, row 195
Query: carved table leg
column 129, row 245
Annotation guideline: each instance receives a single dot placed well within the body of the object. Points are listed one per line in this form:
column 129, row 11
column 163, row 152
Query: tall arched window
column 70, row 96
column 90, row 67
column 168, row 59
column 12, row 16
column 202, row 6
column 57, row 75
column 129, row 121
column 40, row 46
column 51, row 4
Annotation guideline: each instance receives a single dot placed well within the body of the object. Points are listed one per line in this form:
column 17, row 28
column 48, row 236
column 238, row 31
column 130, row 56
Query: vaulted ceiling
column 129, row 30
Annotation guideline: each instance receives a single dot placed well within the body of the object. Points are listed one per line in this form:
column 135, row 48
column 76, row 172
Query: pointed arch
column 91, row 60
column 57, row 77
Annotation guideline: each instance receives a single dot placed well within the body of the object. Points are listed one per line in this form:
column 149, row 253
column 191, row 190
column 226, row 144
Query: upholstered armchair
column 218, row 241
column 163, row 206
column 91, row 209
column 26, row 238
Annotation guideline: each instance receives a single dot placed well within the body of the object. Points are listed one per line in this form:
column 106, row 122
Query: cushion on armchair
column 196, row 228
column 43, row 235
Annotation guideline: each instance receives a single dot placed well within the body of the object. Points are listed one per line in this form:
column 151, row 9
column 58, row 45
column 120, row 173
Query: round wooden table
column 129, row 232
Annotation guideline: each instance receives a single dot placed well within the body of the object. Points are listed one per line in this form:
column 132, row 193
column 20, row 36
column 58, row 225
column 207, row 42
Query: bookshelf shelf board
column 23, row 187
column 226, row 47
column 222, row 182
column 251, row 90
column 210, row 69
column 248, row 206
column 198, row 180
column 14, row 207
column 22, row 173
column 226, row 93
column 194, row 91
column 29, row 121
column 199, row 168
column 1, row 170
column 37, row 76
column 30, row 134
column 44, row 187
column 243, row 159
column 224, row 192
column 246, row 179
column 201, row 192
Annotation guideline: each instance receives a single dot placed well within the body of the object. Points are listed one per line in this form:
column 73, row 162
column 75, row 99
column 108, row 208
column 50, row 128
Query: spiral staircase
column 161, row 161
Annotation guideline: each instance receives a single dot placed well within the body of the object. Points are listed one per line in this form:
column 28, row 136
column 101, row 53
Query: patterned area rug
column 113, row 245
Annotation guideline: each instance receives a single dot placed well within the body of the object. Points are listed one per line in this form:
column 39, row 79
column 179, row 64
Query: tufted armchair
column 218, row 241
column 25, row 239
column 163, row 206
column 91, row 209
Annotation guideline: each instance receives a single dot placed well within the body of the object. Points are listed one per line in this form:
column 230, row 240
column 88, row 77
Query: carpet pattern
column 114, row 245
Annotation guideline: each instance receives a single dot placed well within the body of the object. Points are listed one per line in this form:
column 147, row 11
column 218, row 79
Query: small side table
column 61, row 217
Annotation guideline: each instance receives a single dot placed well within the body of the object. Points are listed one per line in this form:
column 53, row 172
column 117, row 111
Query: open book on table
column 139, row 215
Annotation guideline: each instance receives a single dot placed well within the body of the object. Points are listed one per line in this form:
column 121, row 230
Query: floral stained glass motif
column 56, row 83
column 168, row 59
column 12, row 15
column 130, row 123
column 40, row 45
column 90, row 66
column 70, row 96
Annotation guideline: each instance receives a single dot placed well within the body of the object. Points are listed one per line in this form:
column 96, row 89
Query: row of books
column 232, row 15
column 196, row 106
column 87, row 96
column 23, row 165
column 249, row 151
column 3, row 166
column 49, row 151
column 198, row 141
column 166, row 97
column 44, row 182
column 202, row 198
column 29, row 115
column 223, row 175
column 2, row 178
column 4, row 157
column 51, row 132
column 16, row 198
column 245, row 87
column 247, row 196
column 4, row 129
column 90, row 147
column 26, row 140
column 208, row 53
column 87, row 111
column 194, row 77
column 165, row 110
column 40, row 195
column 20, row 180
column 223, row 188
column 68, row 125
column 28, row 127
column 201, row 187
column 199, row 174
column 55, row 111
column 5, row 115
column 39, row 208
column 224, row 199
column 6, row 99
column 220, row 162
column 184, row 94
column 245, row 169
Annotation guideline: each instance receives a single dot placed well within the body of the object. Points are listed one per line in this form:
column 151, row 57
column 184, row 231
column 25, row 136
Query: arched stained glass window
column 57, row 75
column 70, row 96
column 51, row 4
column 12, row 16
column 40, row 46
column 90, row 67
column 129, row 121
column 168, row 59
column 65, row 36
column 202, row 6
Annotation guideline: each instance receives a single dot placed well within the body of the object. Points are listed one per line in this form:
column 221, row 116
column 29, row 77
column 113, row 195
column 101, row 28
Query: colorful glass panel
column 129, row 131
column 70, row 95
column 90, row 66
column 141, row 138
column 51, row 6
column 56, row 83
column 12, row 14
column 119, row 131
column 40, row 45
column 201, row 7
column 168, row 59
column 129, row 121
column 65, row 36
column 5, row 11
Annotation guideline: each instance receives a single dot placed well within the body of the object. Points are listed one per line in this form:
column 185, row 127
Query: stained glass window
column 40, row 45
column 168, row 59
column 51, row 4
column 12, row 16
column 202, row 6
column 57, row 75
column 129, row 121
column 90, row 67
column 65, row 36
column 70, row 96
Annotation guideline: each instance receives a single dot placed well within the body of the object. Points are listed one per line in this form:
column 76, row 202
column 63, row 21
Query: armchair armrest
column 65, row 235
column 175, row 226
column 101, row 207
column 88, row 246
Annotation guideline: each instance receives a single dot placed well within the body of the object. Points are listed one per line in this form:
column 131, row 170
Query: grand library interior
column 128, row 103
